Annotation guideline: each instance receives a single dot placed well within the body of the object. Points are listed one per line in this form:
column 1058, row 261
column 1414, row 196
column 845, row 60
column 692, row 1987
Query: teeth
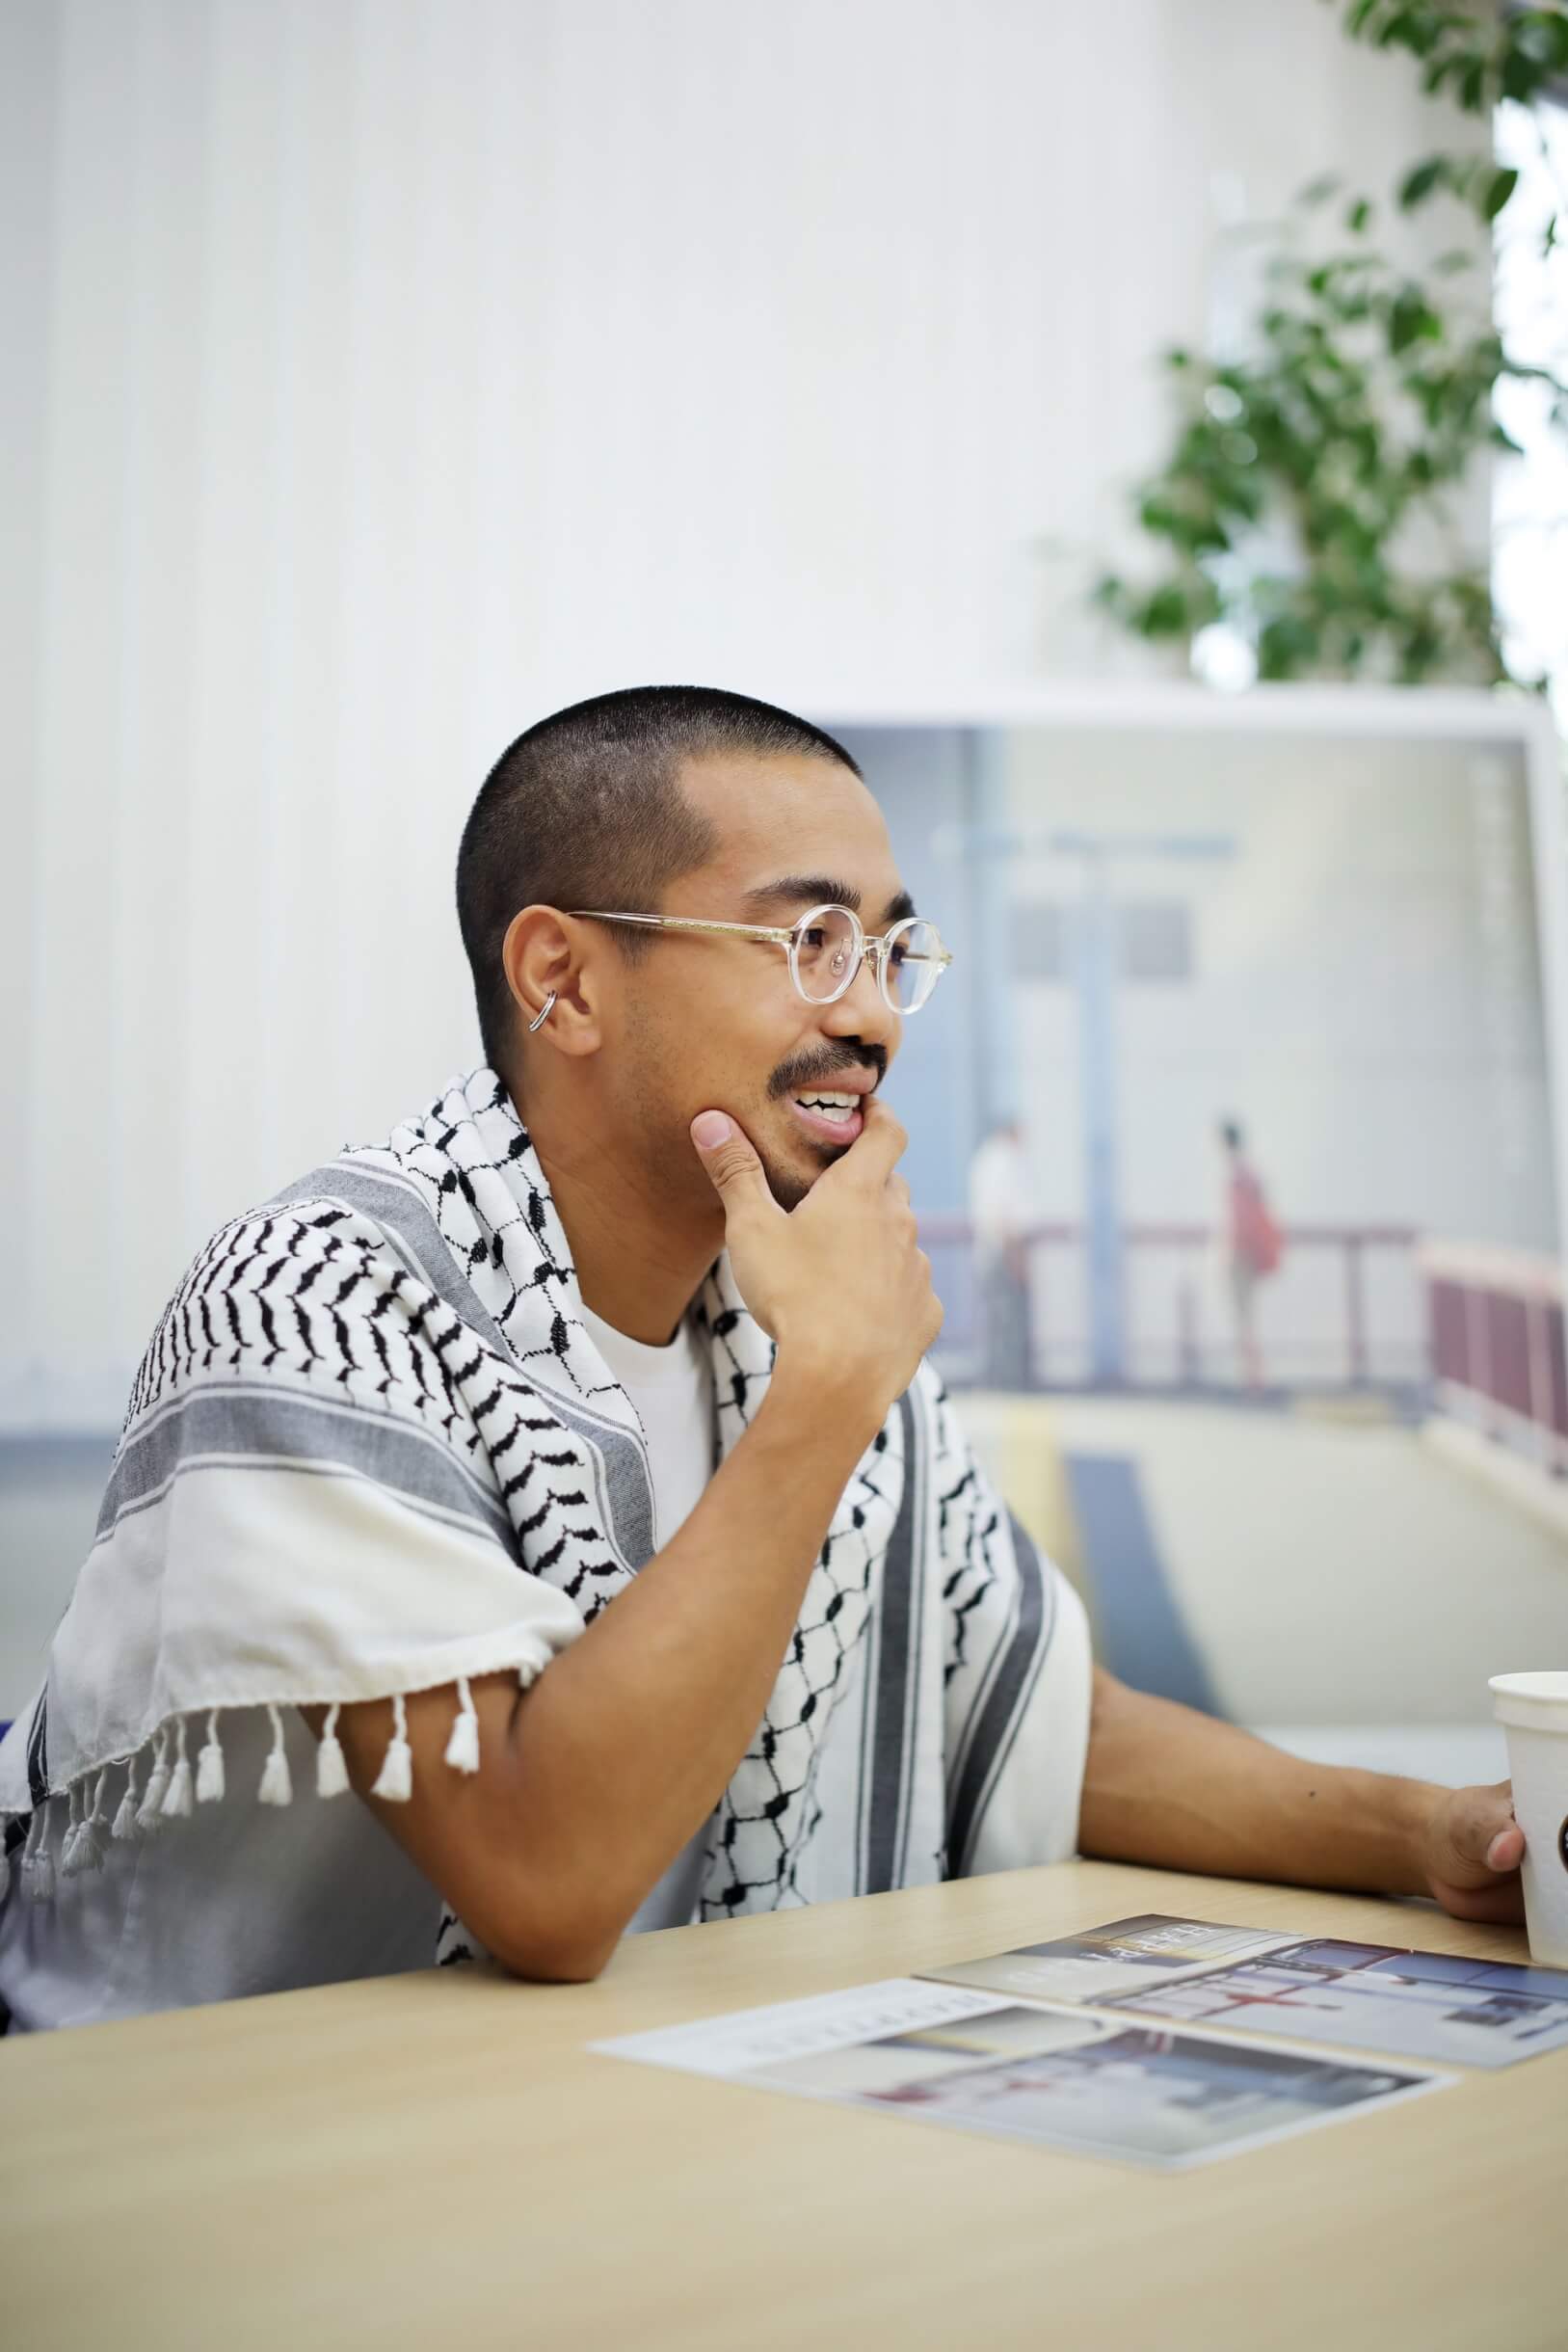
column 837, row 1108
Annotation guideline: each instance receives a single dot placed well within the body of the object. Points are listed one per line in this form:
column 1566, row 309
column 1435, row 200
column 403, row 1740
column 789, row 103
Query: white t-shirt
column 672, row 1388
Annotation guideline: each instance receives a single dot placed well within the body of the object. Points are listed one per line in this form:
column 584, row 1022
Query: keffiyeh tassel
column 73, row 1830
column 37, row 1859
column 331, row 1772
column 277, row 1789
column 177, row 1798
column 152, row 1804
column 463, row 1748
column 93, row 1833
column 209, row 1766
column 125, row 1819
column 395, row 1780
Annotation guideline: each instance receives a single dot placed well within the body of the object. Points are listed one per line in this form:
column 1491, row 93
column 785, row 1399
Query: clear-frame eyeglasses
column 826, row 949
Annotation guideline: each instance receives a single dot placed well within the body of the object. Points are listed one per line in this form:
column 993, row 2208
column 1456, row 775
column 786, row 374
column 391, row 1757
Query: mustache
column 821, row 1070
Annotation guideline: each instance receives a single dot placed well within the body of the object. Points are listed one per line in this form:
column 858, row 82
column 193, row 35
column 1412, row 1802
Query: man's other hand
column 1472, row 1851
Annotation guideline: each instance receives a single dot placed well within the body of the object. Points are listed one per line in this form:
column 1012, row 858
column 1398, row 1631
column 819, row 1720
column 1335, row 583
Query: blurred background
column 1138, row 430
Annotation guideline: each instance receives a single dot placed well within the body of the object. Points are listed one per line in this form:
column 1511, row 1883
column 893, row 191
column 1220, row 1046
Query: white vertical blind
column 384, row 373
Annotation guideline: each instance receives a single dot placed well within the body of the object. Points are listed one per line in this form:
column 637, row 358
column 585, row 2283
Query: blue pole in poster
column 1095, row 962
column 993, row 982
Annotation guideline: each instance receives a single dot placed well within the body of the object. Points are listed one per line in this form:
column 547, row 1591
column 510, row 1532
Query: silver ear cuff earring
column 544, row 1013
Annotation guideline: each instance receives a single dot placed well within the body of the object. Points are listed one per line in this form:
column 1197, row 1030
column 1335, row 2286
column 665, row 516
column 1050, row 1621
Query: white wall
column 382, row 375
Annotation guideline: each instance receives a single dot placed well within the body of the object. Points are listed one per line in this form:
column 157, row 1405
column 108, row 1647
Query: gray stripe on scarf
column 960, row 1748
column 622, row 1478
column 268, row 1424
column 394, row 1204
column 625, row 1495
column 37, row 1748
column 1007, row 1702
column 888, row 1745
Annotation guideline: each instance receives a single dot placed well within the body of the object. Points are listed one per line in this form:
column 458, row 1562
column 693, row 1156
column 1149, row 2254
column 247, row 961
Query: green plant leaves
column 1471, row 56
column 1418, row 185
column 1499, row 186
column 1365, row 399
column 1318, row 191
column 1412, row 319
column 1484, row 187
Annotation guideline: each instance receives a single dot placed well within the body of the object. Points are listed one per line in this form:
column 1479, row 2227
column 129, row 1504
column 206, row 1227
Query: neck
column 640, row 1255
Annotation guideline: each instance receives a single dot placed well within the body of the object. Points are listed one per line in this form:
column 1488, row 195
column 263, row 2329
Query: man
column 999, row 1221
column 569, row 1469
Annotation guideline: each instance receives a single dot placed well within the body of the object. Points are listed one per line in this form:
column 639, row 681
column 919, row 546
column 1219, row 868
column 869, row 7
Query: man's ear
column 545, row 955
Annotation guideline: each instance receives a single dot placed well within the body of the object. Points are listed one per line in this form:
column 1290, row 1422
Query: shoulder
column 310, row 1288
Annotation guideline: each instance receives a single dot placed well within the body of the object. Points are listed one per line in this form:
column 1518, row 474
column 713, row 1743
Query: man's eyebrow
column 821, row 890
column 805, row 890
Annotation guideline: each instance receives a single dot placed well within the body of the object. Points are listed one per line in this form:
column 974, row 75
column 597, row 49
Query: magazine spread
column 1102, row 1962
column 1427, row 2005
column 1052, row 2077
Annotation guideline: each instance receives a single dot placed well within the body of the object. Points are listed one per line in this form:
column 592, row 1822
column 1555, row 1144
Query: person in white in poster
column 998, row 1221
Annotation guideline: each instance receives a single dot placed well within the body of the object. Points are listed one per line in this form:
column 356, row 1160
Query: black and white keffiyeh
column 372, row 1449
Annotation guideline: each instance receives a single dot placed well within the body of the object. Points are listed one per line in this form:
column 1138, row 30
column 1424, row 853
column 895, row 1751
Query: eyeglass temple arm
column 875, row 944
column 687, row 923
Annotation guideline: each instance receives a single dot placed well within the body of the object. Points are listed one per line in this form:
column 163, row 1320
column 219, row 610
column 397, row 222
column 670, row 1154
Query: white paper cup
column 1533, row 1710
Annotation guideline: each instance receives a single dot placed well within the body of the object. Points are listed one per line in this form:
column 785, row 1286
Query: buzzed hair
column 586, row 809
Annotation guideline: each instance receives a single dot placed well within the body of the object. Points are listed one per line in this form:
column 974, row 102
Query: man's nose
column 863, row 1012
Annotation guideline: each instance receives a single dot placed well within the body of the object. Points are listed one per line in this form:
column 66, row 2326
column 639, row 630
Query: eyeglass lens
column 827, row 950
column 913, row 964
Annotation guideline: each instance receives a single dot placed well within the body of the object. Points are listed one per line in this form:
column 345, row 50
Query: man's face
column 715, row 1022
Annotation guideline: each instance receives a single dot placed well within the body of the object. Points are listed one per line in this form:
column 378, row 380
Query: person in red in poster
column 1253, row 1246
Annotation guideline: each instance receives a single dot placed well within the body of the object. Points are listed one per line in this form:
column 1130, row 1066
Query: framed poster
column 1238, row 1138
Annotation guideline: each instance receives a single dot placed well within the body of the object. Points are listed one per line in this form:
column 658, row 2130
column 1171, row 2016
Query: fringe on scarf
column 173, row 1788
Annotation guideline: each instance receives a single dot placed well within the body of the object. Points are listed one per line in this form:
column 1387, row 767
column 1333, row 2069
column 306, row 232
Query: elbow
column 557, row 1962
column 554, row 1944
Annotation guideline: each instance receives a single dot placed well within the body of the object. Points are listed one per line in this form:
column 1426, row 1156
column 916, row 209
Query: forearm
column 592, row 1779
column 623, row 1747
column 1167, row 1786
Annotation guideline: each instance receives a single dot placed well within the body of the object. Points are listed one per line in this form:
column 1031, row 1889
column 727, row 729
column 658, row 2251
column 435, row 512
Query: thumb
column 1483, row 1836
column 736, row 1170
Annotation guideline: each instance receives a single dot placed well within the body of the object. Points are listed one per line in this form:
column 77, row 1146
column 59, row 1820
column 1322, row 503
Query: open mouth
column 829, row 1116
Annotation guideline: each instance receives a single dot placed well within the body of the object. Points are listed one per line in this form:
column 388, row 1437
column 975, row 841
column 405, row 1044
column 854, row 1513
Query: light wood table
column 437, row 2161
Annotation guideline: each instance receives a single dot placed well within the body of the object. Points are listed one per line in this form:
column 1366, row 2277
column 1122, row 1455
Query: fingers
column 1483, row 1840
column 734, row 1166
column 1483, row 1846
column 1499, row 1905
column 1484, row 1823
column 882, row 1142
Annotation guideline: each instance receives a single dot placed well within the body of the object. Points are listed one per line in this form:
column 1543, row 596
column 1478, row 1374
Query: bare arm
column 1168, row 1786
column 591, row 1781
